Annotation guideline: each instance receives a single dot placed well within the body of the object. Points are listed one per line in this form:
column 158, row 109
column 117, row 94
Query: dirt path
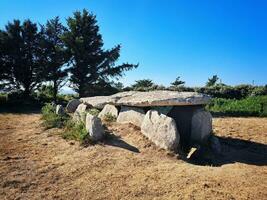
column 38, row 164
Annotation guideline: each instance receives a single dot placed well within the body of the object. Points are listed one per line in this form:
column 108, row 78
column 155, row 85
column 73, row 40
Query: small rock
column 94, row 127
column 80, row 113
column 108, row 109
column 201, row 126
column 60, row 110
column 72, row 105
column 131, row 115
column 161, row 130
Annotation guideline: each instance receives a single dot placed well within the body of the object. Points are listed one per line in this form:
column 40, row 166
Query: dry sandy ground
column 39, row 164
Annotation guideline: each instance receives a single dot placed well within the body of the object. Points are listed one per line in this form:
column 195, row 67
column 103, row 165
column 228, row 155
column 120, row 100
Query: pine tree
column 55, row 55
column 91, row 65
column 21, row 63
column 212, row 81
column 178, row 82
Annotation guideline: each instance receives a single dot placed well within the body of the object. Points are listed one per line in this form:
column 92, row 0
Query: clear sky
column 170, row 38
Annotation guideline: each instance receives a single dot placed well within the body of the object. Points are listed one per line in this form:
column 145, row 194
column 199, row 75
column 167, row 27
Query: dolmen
column 170, row 119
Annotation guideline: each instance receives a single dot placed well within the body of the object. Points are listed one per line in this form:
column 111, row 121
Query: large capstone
column 108, row 110
column 131, row 115
column 148, row 99
column 94, row 127
column 161, row 130
column 80, row 113
column 201, row 126
column 72, row 105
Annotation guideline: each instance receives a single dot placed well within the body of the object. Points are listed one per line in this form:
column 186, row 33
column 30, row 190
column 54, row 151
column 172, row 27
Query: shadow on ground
column 233, row 150
column 20, row 109
column 116, row 141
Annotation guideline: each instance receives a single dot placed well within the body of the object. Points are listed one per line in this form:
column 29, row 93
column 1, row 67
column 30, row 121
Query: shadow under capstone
column 183, row 117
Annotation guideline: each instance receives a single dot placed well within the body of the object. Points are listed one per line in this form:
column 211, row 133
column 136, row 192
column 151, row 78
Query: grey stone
column 94, row 127
column 108, row 109
column 201, row 126
column 80, row 113
column 161, row 130
column 131, row 115
column 60, row 110
column 146, row 99
column 72, row 105
column 215, row 144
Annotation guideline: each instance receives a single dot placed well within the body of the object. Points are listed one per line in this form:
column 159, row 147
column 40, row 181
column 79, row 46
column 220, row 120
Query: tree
column 5, row 72
column 90, row 64
column 21, row 58
column 55, row 55
column 143, row 83
column 178, row 82
column 212, row 81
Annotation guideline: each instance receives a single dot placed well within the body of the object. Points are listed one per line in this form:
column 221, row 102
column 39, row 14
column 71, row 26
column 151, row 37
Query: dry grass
column 39, row 164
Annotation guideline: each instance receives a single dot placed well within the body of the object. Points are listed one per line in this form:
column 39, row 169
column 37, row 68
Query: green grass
column 251, row 106
column 71, row 130
column 51, row 119
column 74, row 131
column 93, row 111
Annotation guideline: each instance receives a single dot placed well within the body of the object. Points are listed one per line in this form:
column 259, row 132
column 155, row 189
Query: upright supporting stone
column 72, row 105
column 201, row 126
column 183, row 117
column 108, row 109
column 161, row 130
column 94, row 127
column 131, row 115
column 80, row 113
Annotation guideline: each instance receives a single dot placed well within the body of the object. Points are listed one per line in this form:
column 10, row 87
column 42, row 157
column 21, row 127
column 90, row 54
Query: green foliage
column 54, row 54
column 91, row 64
column 21, row 56
column 93, row 111
column 251, row 106
column 45, row 93
column 233, row 92
column 212, row 81
column 178, row 82
column 74, row 131
column 3, row 98
column 51, row 119
column 109, row 117
column 143, row 85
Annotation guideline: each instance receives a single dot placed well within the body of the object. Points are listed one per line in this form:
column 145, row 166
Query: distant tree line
column 212, row 87
column 33, row 55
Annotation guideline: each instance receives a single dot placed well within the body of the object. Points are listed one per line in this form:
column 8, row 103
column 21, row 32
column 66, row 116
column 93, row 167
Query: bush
column 51, row 119
column 251, row 106
column 74, row 131
column 93, row 111
column 3, row 98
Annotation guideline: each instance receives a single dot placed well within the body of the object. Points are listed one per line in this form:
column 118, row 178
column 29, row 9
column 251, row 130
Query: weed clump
column 109, row 117
column 51, row 119
column 74, row 131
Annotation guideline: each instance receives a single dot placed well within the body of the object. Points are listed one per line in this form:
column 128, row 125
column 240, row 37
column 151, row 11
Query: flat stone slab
column 147, row 99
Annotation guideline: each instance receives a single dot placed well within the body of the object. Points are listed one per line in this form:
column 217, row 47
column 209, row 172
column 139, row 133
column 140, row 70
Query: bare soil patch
column 39, row 164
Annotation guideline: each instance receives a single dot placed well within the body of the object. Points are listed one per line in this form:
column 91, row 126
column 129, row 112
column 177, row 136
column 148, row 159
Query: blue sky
column 191, row 39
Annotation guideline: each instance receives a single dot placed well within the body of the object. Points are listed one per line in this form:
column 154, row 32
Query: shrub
column 251, row 106
column 93, row 111
column 51, row 119
column 74, row 131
